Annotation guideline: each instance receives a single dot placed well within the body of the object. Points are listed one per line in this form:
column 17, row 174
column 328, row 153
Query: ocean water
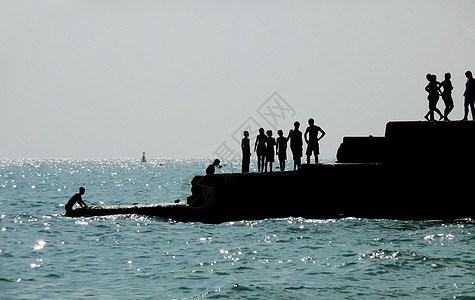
column 44, row 255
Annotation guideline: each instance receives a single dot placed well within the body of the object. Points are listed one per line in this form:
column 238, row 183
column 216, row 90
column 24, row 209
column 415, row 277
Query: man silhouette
column 75, row 198
column 447, row 95
column 246, row 152
column 312, row 140
column 211, row 168
column 295, row 136
column 469, row 95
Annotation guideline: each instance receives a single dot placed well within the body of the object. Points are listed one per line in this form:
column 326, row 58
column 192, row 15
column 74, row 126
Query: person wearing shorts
column 312, row 138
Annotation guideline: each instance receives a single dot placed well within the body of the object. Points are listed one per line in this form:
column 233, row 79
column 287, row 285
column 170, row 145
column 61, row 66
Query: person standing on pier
column 260, row 149
column 270, row 152
column 433, row 89
column 281, row 149
column 312, row 140
column 246, row 152
column 295, row 136
column 447, row 96
column 469, row 95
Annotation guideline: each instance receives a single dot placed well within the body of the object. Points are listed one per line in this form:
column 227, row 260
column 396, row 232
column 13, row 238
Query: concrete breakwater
column 417, row 171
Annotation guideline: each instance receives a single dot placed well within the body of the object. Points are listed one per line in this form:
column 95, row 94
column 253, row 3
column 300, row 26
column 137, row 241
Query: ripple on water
column 138, row 257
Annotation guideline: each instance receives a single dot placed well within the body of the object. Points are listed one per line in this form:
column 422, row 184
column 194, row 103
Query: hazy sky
column 177, row 79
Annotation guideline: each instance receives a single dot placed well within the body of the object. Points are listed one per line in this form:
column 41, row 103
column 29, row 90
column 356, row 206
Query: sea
column 45, row 255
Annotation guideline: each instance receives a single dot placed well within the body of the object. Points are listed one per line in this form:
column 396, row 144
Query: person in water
column 295, row 136
column 270, row 153
column 246, row 152
column 281, row 149
column 260, row 149
column 469, row 95
column 312, row 140
column 143, row 158
column 434, row 92
column 447, row 95
column 75, row 198
column 211, row 168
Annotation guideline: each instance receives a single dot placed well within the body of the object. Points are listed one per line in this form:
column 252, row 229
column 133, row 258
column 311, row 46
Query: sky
column 182, row 79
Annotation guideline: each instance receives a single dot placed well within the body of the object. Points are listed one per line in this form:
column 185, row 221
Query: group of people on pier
column 434, row 90
column 266, row 147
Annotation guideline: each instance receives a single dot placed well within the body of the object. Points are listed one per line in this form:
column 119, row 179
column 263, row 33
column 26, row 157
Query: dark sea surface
column 44, row 255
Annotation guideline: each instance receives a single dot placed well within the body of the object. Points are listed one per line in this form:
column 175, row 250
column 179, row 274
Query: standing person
column 75, row 198
column 447, row 95
column 270, row 153
column 281, row 149
column 433, row 89
column 312, row 140
column 469, row 95
column 260, row 149
column 295, row 136
column 246, row 152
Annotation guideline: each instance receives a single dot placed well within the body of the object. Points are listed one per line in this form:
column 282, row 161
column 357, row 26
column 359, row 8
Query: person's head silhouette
column 269, row 133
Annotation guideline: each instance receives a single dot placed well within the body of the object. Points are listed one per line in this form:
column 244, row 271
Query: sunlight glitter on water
column 142, row 257
column 39, row 245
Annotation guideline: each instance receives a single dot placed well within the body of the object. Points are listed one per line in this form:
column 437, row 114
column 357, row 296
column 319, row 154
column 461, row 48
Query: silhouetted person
column 281, row 149
column 75, row 198
column 469, row 95
column 447, row 95
column 270, row 152
column 312, row 140
column 433, row 89
column 295, row 136
column 143, row 158
column 260, row 149
column 211, row 168
column 246, row 152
